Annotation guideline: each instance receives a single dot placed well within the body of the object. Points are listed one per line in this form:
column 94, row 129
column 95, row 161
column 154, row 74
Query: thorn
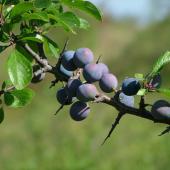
column 98, row 59
column 58, row 110
column 167, row 130
column 117, row 120
column 65, row 47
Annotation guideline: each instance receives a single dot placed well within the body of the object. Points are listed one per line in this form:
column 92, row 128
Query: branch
column 38, row 59
column 143, row 113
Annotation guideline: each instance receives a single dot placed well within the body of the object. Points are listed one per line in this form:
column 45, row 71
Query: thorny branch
column 141, row 112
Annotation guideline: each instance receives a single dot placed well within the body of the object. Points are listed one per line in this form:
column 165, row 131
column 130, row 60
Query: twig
column 38, row 58
column 115, row 102
column 117, row 120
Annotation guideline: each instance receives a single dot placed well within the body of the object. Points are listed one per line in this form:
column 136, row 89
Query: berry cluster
column 80, row 72
column 82, row 61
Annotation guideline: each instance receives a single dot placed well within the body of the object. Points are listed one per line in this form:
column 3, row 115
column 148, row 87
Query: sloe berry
column 67, row 60
column 161, row 110
column 108, row 83
column 92, row 72
column 82, row 57
column 87, row 92
column 79, row 111
column 130, row 86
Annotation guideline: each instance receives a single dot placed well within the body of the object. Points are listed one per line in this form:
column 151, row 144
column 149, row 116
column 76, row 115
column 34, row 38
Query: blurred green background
column 33, row 138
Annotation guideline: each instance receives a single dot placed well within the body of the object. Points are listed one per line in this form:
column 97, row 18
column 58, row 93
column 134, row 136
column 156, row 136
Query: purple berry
column 65, row 74
column 87, row 92
column 79, row 111
column 92, row 73
column 67, row 60
column 130, row 86
column 63, row 98
column 104, row 68
column 108, row 83
column 72, row 86
column 161, row 110
column 126, row 100
column 82, row 57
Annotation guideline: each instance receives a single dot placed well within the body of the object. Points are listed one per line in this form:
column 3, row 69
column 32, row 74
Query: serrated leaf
column 18, row 98
column 21, row 8
column 164, row 91
column 141, row 92
column 86, row 6
column 161, row 62
column 1, row 114
column 51, row 49
column 19, row 69
column 42, row 3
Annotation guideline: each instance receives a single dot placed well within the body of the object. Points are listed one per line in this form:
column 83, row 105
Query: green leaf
column 36, row 16
column 1, row 114
column 161, row 62
column 141, row 92
column 42, row 3
column 139, row 76
column 84, row 6
column 51, row 49
column 19, row 69
column 21, row 8
column 68, row 20
column 33, row 37
column 166, row 92
column 6, row 83
column 84, row 23
column 18, row 98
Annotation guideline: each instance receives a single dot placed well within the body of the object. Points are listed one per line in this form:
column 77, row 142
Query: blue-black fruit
column 79, row 111
column 72, row 86
column 161, row 110
column 63, row 98
column 92, row 72
column 87, row 92
column 38, row 74
column 67, row 60
column 65, row 74
column 104, row 68
column 108, row 83
column 82, row 57
column 126, row 100
column 130, row 86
